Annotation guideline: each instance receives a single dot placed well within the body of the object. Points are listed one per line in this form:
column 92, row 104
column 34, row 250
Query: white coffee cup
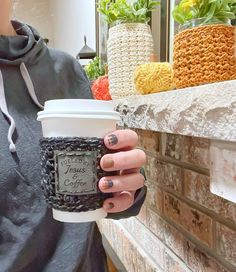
column 78, row 118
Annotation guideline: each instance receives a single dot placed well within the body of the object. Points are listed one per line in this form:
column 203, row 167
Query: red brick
column 174, row 265
column 200, row 261
column 151, row 170
column 151, row 200
column 159, row 200
column 154, row 197
column 226, row 243
column 148, row 140
column 170, row 236
column 188, row 149
column 156, row 224
column 175, row 240
column 165, row 174
column 192, row 220
column 169, row 176
column 197, row 188
column 172, row 145
column 196, row 151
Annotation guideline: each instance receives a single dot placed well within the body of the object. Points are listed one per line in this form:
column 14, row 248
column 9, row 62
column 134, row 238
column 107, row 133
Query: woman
column 30, row 240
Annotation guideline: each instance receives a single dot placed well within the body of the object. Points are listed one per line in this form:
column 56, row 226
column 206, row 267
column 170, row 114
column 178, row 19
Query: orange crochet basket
column 204, row 54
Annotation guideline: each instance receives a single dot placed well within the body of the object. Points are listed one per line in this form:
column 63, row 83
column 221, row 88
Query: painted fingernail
column 112, row 139
column 107, row 184
column 108, row 162
column 110, row 206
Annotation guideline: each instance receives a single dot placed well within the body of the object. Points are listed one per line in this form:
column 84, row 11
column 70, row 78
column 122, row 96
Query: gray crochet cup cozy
column 68, row 166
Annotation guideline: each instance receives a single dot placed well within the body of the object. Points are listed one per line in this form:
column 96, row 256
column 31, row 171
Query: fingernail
column 108, row 162
column 112, row 139
column 109, row 206
column 107, row 184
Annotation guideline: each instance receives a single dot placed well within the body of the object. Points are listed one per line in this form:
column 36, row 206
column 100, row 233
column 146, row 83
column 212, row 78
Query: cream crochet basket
column 129, row 45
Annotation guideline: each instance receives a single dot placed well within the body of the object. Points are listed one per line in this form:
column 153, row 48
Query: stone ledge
column 207, row 111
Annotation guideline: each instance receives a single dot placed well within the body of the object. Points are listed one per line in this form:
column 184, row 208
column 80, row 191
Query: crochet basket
column 154, row 77
column 129, row 45
column 204, row 54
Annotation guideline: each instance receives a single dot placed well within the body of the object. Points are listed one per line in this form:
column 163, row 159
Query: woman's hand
column 127, row 161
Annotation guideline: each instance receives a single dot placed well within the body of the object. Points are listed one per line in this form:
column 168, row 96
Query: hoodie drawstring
column 29, row 84
column 3, row 103
column 4, row 109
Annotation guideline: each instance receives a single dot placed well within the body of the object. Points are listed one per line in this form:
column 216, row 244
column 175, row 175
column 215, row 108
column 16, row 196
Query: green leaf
column 142, row 11
column 127, row 10
column 94, row 69
column 221, row 9
column 179, row 18
column 211, row 11
column 224, row 14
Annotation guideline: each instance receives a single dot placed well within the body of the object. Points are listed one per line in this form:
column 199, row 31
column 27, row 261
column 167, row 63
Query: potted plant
column 94, row 69
column 97, row 74
column 204, row 48
column 130, row 42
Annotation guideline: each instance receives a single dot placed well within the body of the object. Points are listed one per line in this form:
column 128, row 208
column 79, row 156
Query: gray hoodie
column 30, row 240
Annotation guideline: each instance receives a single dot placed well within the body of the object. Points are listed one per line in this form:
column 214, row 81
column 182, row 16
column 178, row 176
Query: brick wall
column 182, row 225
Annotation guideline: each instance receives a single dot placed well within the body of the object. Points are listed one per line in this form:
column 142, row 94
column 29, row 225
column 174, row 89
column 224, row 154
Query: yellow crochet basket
column 153, row 77
column 204, row 54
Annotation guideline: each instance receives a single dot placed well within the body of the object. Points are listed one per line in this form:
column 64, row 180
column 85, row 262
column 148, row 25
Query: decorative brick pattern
column 199, row 261
column 169, row 176
column 159, row 200
column 197, row 188
column 182, row 226
column 186, row 149
column 172, row 265
column 151, row 168
column 193, row 221
column 170, row 236
column 226, row 243
column 149, row 141
column 154, row 198
column 172, row 146
column 196, row 151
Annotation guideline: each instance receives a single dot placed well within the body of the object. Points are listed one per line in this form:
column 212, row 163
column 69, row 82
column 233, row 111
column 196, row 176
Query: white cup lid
column 82, row 107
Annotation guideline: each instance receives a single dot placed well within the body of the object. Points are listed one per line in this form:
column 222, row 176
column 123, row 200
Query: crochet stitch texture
column 154, row 77
column 129, row 45
column 204, row 54
column 67, row 202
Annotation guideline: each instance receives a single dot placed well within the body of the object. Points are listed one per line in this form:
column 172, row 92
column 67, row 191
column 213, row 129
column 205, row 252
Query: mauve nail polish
column 108, row 162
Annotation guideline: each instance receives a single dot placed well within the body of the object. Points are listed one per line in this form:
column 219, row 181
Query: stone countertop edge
column 206, row 111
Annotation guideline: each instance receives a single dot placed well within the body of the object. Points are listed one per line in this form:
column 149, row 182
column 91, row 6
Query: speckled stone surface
column 207, row 111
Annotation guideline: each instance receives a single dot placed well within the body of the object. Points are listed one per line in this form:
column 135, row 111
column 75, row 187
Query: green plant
column 127, row 11
column 95, row 69
column 211, row 10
